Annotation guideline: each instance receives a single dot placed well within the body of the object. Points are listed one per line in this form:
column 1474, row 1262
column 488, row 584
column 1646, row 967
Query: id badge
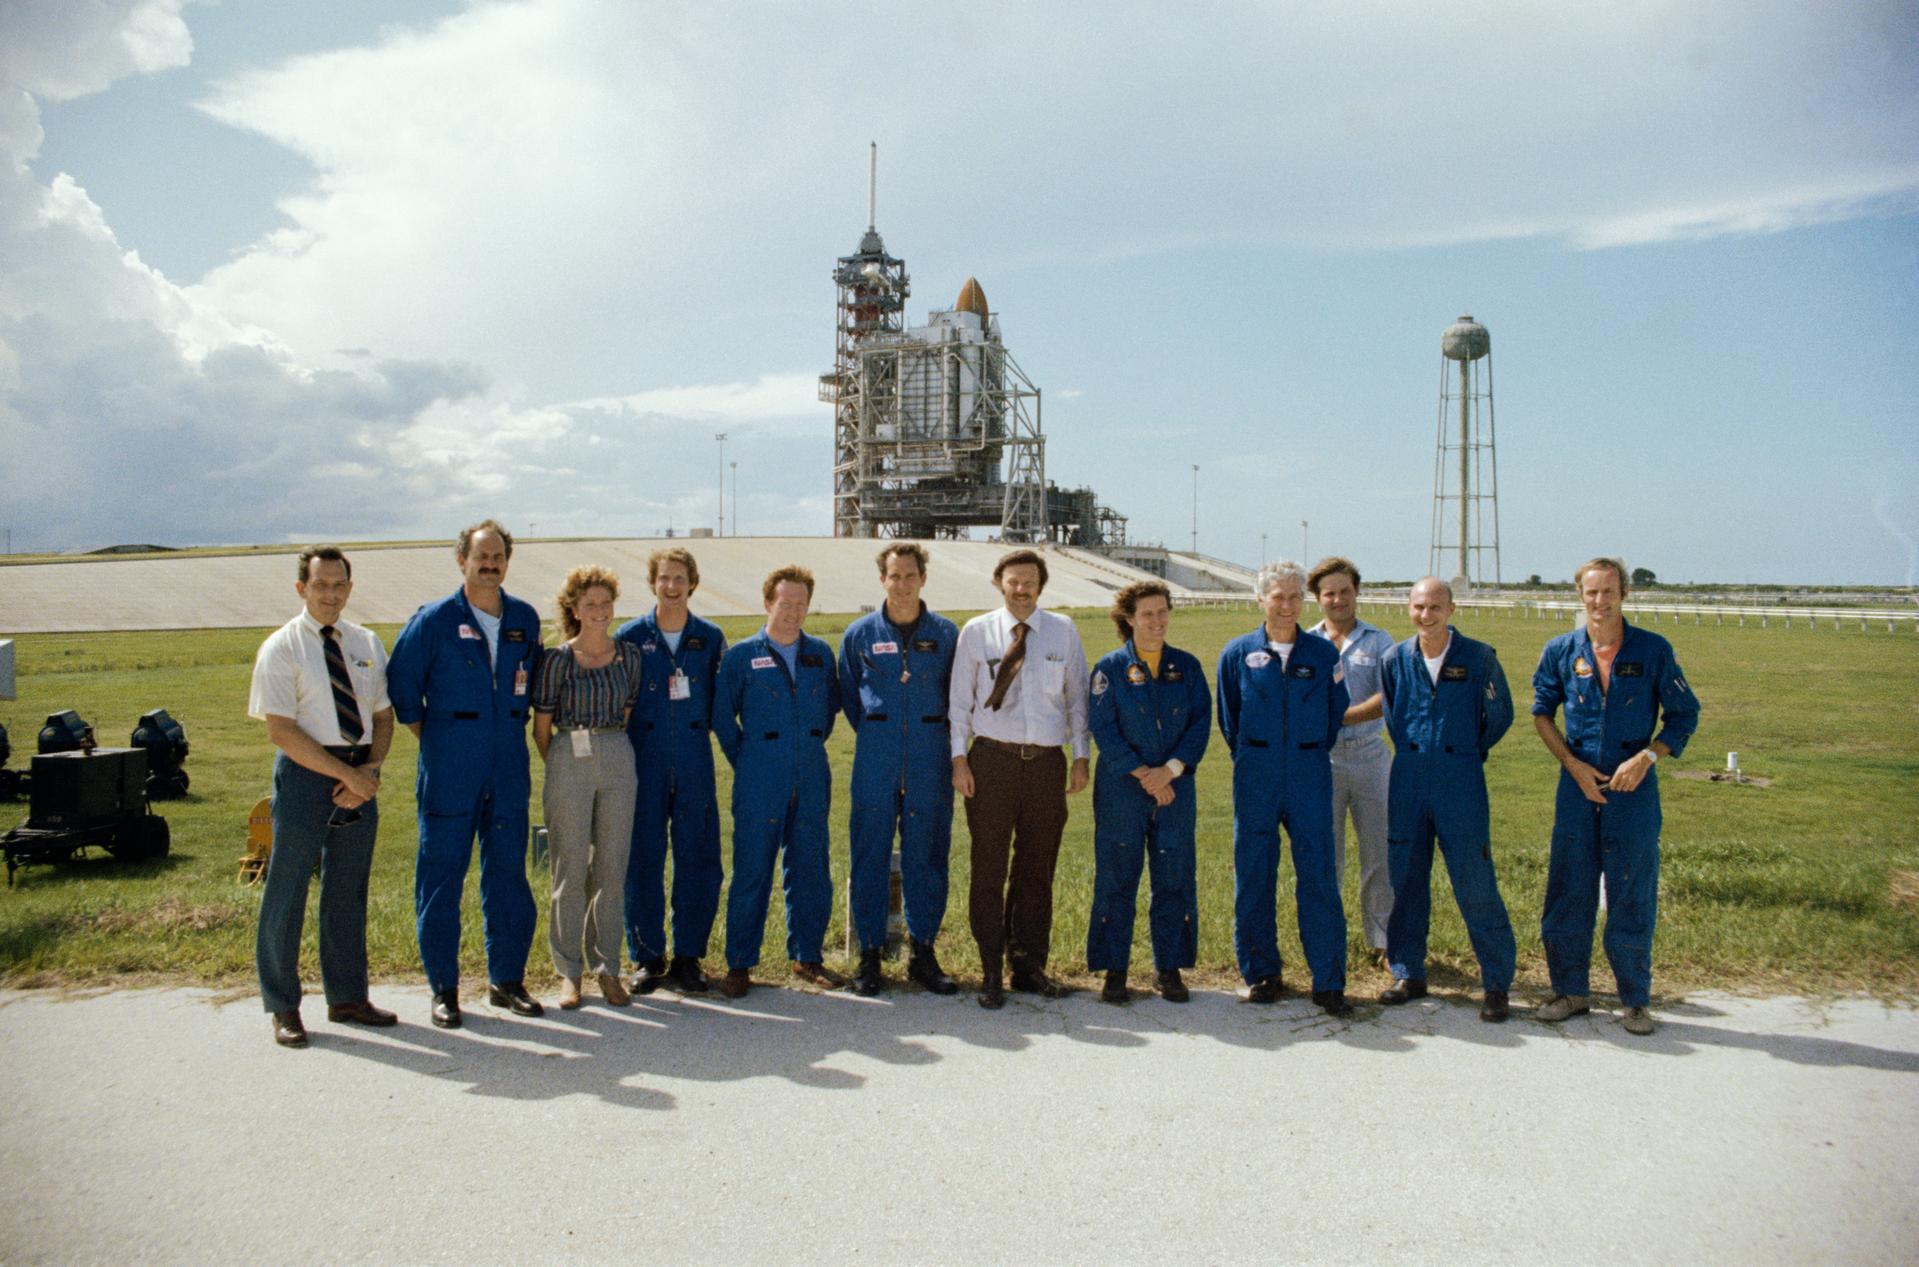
column 582, row 743
column 679, row 686
column 519, row 680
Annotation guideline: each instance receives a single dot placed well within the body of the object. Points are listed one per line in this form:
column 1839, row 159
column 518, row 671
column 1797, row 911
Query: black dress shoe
column 1115, row 991
column 1034, row 981
column 1333, row 1002
column 288, row 1030
column 1496, row 1007
column 924, row 967
column 992, row 995
column 1403, row 991
column 446, row 1009
column 1264, row 990
column 512, row 996
column 647, row 976
column 361, row 1013
column 1172, row 987
column 686, row 976
column 867, row 981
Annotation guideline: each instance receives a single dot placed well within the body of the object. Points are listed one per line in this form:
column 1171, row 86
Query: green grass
column 1808, row 885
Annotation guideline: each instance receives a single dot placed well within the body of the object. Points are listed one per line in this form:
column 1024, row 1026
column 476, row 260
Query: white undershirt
column 1434, row 661
column 1283, row 650
column 673, row 639
column 490, row 627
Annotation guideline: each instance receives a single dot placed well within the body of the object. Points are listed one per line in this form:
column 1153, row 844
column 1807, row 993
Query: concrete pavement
column 163, row 1126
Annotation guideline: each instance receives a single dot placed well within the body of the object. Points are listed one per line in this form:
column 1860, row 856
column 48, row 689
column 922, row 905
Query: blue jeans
column 302, row 804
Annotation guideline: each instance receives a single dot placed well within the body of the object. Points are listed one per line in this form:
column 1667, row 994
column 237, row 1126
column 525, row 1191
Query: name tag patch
column 468, row 631
column 762, row 661
column 1453, row 673
column 1171, row 674
column 925, row 644
column 886, row 648
column 1632, row 669
column 809, row 661
column 1303, row 670
column 513, row 635
column 695, row 643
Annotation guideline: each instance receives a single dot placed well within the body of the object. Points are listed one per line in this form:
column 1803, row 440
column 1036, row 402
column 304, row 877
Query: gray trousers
column 589, row 824
column 1360, row 778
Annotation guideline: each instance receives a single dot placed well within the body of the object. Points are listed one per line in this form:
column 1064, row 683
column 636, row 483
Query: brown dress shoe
column 569, row 993
column 817, row 974
column 1034, row 981
column 612, row 991
column 736, row 983
column 287, row 1029
column 992, row 994
column 361, row 1013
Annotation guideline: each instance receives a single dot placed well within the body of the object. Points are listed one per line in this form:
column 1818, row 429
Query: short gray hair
column 1273, row 573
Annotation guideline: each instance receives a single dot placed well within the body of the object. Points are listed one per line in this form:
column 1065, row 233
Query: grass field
column 1811, row 884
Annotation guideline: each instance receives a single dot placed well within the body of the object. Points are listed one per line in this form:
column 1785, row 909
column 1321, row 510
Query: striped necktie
column 1009, row 667
column 346, row 705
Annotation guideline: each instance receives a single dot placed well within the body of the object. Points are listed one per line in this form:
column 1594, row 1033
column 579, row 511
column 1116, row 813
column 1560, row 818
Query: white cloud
column 61, row 49
column 768, row 397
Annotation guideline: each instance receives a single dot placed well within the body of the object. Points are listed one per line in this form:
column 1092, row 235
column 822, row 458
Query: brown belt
column 1024, row 751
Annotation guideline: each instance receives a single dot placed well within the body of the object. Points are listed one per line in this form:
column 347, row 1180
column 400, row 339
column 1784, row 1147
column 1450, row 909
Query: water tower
column 1465, row 462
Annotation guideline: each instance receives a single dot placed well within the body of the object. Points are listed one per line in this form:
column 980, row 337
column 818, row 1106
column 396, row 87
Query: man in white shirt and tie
column 1018, row 697
column 319, row 684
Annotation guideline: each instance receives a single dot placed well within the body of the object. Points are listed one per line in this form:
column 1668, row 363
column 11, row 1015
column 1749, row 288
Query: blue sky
column 373, row 269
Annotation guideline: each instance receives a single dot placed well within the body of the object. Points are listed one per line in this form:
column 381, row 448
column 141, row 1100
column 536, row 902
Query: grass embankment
column 1810, row 885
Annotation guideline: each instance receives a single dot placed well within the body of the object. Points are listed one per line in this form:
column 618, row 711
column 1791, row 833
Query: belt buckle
column 1028, row 751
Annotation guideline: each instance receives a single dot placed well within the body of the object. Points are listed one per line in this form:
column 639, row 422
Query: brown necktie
column 1009, row 667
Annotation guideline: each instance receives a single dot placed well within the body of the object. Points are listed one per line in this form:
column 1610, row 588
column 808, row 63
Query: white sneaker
column 1562, row 1007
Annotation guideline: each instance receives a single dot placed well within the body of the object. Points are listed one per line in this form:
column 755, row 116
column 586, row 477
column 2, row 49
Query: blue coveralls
column 473, row 778
column 893, row 689
column 1141, row 720
column 1280, row 723
column 1621, row 837
column 773, row 730
column 674, row 759
column 1442, row 732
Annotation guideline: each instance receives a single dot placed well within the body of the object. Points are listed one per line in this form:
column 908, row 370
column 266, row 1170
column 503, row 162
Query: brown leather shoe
column 736, row 983
column 1034, row 981
column 569, row 993
column 612, row 991
column 287, row 1029
column 361, row 1013
column 818, row 975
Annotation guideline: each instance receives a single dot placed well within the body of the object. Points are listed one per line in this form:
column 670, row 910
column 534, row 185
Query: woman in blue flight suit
column 1608, row 726
column 674, row 759
column 1150, row 714
column 1280, row 715
column 1442, row 732
column 468, row 705
column 772, row 723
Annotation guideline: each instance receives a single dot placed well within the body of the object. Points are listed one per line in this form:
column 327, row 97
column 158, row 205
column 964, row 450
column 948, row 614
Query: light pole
column 1262, row 549
column 736, row 497
column 1304, row 552
column 1195, row 508
column 721, row 437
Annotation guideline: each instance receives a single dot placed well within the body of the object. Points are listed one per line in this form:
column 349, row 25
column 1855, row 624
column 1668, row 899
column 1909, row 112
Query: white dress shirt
column 290, row 678
column 1046, row 702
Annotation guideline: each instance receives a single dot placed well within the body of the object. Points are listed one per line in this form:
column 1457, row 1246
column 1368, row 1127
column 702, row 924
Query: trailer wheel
column 159, row 835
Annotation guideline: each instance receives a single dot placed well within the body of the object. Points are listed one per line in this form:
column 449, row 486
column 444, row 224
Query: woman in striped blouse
column 585, row 689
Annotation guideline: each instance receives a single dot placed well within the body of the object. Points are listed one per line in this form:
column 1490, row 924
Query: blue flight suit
column 893, row 688
column 1621, row 837
column 473, row 778
column 674, row 759
column 1141, row 720
column 1442, row 733
column 1280, row 722
column 773, row 727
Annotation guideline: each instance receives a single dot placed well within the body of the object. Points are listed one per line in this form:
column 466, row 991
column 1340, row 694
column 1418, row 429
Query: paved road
column 162, row 1126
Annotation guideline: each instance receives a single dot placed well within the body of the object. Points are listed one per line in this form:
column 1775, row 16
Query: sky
column 374, row 269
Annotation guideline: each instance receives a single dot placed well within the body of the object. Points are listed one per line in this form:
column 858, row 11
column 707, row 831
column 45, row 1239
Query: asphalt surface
column 164, row 1126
